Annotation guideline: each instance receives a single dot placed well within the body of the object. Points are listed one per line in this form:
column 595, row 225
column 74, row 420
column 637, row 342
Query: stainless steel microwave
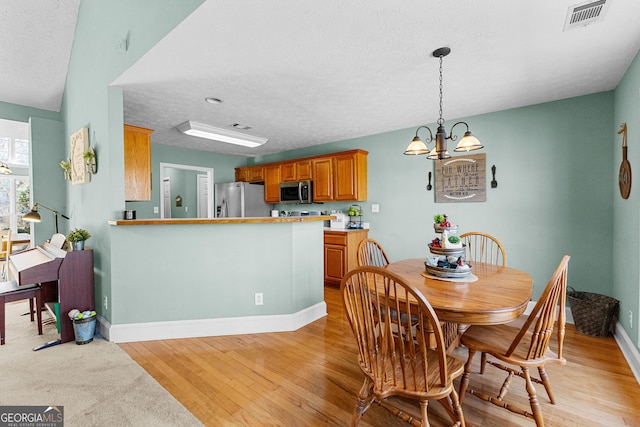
column 296, row 192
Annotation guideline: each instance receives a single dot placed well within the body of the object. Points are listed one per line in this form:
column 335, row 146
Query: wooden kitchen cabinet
column 304, row 170
column 350, row 176
column 341, row 253
column 250, row 174
column 272, row 183
column 296, row 171
column 137, row 163
column 323, row 179
column 289, row 171
column 337, row 177
column 241, row 175
column 340, row 177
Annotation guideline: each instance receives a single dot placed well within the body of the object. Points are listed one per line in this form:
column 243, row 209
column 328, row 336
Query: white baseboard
column 629, row 350
column 210, row 327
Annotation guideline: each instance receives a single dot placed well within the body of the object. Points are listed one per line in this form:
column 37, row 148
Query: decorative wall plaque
column 624, row 175
column 461, row 179
column 79, row 144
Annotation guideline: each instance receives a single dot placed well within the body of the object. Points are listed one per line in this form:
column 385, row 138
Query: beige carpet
column 97, row 383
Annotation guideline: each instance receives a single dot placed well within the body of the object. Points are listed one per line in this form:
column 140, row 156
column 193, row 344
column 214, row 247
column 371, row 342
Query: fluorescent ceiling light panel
column 202, row 130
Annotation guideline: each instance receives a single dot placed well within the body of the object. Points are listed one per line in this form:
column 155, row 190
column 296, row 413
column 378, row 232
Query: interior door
column 203, row 196
column 166, row 197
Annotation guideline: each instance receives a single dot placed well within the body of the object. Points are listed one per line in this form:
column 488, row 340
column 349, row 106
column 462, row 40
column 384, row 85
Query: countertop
column 173, row 221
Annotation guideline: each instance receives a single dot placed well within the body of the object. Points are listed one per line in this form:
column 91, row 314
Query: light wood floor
column 310, row 378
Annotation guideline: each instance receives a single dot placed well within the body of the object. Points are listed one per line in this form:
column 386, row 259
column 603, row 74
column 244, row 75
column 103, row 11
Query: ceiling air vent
column 583, row 14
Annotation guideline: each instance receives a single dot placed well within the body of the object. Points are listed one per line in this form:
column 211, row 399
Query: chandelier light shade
column 439, row 152
column 202, row 130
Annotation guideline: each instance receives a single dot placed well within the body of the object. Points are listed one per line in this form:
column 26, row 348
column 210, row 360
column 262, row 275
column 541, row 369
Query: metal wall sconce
column 90, row 161
column 66, row 167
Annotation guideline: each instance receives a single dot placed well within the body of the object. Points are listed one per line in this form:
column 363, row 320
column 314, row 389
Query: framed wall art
column 461, row 179
column 79, row 144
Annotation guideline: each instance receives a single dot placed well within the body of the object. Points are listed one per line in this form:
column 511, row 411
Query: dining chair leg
column 533, row 399
column 424, row 406
column 544, row 379
column 483, row 362
column 364, row 400
column 464, row 380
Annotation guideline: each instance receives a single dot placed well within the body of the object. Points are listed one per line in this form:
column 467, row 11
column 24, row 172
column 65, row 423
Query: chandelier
column 439, row 151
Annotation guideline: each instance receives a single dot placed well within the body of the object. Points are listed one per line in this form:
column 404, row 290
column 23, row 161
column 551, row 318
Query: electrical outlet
column 105, row 302
column 375, row 208
column 155, row 209
column 631, row 319
column 258, row 298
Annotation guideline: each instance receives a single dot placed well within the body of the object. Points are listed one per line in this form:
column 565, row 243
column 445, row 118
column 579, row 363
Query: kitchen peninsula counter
column 254, row 220
column 200, row 277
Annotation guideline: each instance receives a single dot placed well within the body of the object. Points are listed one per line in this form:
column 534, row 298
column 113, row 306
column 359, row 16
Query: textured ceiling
column 303, row 72
column 35, row 45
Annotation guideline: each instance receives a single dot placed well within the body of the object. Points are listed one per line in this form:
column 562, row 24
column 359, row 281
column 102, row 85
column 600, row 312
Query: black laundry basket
column 593, row 314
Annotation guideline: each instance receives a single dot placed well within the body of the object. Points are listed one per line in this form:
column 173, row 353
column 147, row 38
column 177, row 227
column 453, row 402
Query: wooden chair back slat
column 370, row 252
column 542, row 318
column 482, row 247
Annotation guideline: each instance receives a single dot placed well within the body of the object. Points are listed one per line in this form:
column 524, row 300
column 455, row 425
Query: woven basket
column 593, row 314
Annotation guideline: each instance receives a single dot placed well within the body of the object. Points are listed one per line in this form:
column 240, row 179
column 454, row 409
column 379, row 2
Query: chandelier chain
column 440, row 120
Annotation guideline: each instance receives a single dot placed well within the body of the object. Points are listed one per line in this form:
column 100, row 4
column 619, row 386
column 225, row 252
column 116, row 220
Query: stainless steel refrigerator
column 240, row 199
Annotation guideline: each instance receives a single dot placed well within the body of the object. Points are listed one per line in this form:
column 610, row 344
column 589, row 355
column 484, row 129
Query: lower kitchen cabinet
column 341, row 253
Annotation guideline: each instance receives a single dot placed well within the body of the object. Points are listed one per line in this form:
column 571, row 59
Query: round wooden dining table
column 499, row 295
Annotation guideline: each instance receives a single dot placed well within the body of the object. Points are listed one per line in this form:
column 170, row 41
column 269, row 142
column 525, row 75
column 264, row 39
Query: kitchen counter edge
column 174, row 221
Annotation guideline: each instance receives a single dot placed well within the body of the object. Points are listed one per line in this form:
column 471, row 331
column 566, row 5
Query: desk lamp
column 34, row 216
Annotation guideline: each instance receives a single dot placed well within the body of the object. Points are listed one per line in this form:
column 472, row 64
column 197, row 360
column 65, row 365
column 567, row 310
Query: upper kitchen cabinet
column 337, row 177
column 298, row 170
column 137, row 163
column 323, row 179
column 350, row 176
column 250, row 174
column 272, row 183
column 340, row 177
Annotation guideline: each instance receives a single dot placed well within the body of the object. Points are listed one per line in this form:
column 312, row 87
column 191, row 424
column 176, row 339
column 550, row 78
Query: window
column 15, row 189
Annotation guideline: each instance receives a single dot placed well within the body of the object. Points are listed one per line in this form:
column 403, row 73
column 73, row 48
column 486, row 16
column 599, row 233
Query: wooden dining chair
column 482, row 247
column 517, row 350
column 370, row 252
column 397, row 357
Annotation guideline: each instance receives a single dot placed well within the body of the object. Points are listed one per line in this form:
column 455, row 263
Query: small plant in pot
column 77, row 237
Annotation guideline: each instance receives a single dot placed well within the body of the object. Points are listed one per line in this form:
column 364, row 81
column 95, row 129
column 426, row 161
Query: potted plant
column 77, row 238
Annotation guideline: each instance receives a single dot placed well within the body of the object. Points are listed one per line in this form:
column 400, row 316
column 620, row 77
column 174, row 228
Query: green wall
column 89, row 102
column 553, row 196
column 626, row 216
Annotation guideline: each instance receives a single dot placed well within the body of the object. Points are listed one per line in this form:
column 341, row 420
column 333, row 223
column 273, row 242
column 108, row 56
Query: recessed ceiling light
column 212, row 100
